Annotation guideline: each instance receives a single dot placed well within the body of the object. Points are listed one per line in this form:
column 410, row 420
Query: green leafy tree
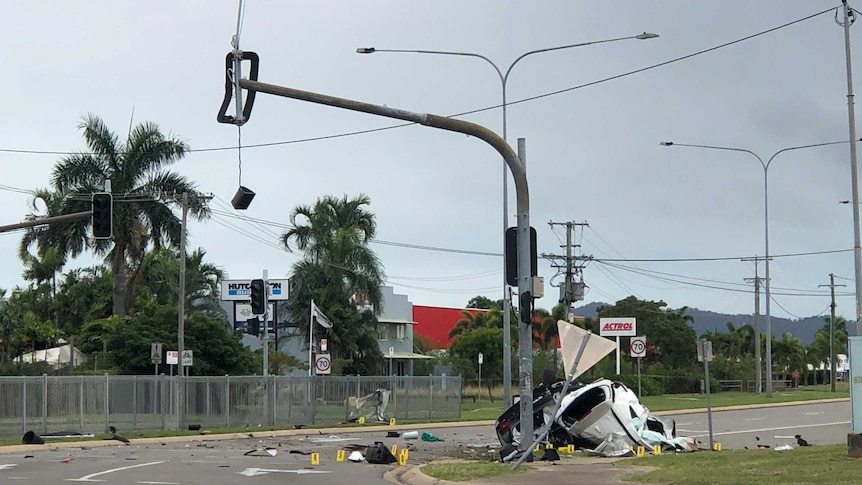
column 159, row 276
column 136, row 169
column 466, row 349
column 483, row 303
column 670, row 336
column 788, row 354
column 340, row 273
column 472, row 320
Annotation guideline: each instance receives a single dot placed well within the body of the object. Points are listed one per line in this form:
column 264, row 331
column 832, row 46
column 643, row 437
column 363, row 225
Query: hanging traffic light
column 258, row 297
column 102, row 218
column 253, row 326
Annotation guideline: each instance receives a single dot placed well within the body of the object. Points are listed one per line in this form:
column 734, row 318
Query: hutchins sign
column 617, row 327
column 240, row 290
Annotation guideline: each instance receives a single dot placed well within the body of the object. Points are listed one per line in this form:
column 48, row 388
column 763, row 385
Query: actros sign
column 617, row 327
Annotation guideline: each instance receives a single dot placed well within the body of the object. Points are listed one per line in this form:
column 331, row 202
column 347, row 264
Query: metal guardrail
column 90, row 404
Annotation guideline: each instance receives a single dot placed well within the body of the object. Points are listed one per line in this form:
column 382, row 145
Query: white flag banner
column 322, row 319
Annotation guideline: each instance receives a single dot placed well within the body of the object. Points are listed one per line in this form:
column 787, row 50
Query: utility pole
column 181, row 303
column 832, row 357
column 758, row 360
column 570, row 290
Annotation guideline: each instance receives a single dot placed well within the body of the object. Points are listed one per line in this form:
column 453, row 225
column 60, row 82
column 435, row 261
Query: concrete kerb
column 336, row 430
column 257, row 434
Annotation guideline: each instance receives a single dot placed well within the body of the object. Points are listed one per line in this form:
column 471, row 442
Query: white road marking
column 253, row 472
column 754, row 419
column 89, row 478
column 8, row 467
column 684, row 424
column 18, row 478
column 159, row 483
column 681, row 430
column 813, row 414
column 723, row 433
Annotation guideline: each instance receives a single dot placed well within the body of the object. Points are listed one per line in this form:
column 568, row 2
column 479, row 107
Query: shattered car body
column 588, row 415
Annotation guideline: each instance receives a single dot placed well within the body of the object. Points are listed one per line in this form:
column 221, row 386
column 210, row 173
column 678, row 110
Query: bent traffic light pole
column 46, row 220
column 525, row 380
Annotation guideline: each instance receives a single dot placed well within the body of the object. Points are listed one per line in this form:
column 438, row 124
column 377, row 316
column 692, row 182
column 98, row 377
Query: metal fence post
column 430, row 397
column 274, row 401
column 162, row 398
column 81, row 402
column 24, row 406
column 209, row 396
column 44, row 403
column 107, row 401
column 134, row 402
column 227, row 398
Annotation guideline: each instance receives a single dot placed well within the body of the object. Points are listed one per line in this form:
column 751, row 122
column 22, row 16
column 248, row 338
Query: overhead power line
column 479, row 110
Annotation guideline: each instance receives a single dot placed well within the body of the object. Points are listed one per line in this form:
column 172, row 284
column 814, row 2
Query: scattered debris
column 299, row 452
column 329, row 439
column 392, row 434
column 65, row 460
column 784, row 448
column 31, row 438
column 614, row 445
column 410, row 435
column 194, row 427
column 371, row 407
column 550, row 454
column 355, row 457
column 379, row 454
column 261, row 452
column 426, row 436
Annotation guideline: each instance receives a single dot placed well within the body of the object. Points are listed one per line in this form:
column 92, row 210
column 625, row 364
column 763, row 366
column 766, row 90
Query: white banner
column 240, row 290
column 318, row 315
column 617, row 327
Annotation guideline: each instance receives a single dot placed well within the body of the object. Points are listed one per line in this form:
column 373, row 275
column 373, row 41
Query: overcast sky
column 593, row 153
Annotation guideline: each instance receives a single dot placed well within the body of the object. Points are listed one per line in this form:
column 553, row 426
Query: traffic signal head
column 258, row 297
column 253, row 326
column 102, row 218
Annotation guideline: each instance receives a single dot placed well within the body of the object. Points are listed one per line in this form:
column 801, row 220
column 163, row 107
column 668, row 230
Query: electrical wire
column 19, row 190
column 733, row 258
column 479, row 110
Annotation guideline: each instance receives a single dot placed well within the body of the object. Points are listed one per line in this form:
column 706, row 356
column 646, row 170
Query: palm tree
column 338, row 269
column 160, row 276
column 142, row 188
column 473, row 320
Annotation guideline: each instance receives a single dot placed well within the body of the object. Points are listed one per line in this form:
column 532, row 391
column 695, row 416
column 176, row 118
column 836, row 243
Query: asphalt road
column 216, row 462
column 818, row 423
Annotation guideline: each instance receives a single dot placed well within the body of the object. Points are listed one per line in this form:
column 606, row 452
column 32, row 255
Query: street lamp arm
column 505, row 77
column 728, row 149
column 444, row 53
column 801, row 147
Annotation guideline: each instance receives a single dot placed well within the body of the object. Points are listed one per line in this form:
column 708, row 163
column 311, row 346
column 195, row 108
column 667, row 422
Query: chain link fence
column 90, row 404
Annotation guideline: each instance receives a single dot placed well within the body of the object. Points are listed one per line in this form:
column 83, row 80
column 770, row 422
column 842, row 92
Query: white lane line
column 684, row 424
column 159, row 483
column 761, row 430
column 89, row 478
column 813, row 414
column 681, row 430
column 754, row 419
column 253, row 472
column 8, row 466
column 18, row 478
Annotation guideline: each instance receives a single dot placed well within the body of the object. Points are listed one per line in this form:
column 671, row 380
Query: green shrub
column 650, row 386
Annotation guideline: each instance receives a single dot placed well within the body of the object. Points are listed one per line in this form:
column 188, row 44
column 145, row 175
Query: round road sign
column 638, row 346
column 323, row 364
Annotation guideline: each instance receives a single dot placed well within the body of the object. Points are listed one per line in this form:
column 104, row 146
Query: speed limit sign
column 323, row 364
column 638, row 346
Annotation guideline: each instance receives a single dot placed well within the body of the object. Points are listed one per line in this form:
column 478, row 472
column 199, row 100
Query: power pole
column 181, row 303
column 832, row 357
column 570, row 290
column 758, row 360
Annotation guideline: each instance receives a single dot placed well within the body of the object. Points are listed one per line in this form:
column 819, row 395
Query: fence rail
column 90, row 404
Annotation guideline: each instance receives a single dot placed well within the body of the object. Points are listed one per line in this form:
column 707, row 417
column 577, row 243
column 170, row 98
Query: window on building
column 397, row 331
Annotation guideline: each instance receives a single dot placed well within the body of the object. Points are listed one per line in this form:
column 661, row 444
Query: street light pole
column 504, row 77
column 765, row 166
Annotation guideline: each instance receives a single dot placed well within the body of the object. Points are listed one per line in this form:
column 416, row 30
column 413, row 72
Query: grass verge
column 473, row 470
column 801, row 466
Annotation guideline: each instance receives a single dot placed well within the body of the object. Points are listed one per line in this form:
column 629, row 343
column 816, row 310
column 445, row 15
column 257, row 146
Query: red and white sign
column 173, row 357
column 638, row 347
column 617, row 327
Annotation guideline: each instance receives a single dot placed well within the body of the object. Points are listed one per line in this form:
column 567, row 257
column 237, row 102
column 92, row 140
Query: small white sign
column 188, row 358
column 391, row 352
column 481, row 357
column 323, row 345
column 155, row 353
column 617, row 327
column 172, row 357
column 638, row 346
column 323, row 364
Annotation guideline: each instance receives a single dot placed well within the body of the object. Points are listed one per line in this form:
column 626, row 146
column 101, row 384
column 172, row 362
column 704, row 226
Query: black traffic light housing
column 253, row 326
column 258, row 297
column 511, row 253
column 102, row 220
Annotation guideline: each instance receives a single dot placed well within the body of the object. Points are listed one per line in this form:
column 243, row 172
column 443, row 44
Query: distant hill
column 705, row 321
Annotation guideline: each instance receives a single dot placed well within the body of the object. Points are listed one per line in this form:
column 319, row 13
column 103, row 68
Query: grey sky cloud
column 593, row 153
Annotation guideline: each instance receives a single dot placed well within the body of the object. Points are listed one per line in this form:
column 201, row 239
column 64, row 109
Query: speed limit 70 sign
column 638, row 346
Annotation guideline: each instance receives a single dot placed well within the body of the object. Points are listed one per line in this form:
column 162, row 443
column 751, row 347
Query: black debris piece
column 550, row 455
column 379, row 454
column 801, row 441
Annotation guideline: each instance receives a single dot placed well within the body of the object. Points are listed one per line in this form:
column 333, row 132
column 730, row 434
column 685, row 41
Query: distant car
column 588, row 414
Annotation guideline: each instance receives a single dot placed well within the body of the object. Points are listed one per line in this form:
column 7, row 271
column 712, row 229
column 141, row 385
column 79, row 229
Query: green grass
column 473, row 470
column 800, row 466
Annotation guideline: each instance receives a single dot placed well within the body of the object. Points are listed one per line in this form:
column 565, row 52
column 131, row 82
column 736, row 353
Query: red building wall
column 436, row 322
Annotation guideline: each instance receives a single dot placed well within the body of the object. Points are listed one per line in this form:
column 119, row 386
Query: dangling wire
column 240, row 18
column 839, row 14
